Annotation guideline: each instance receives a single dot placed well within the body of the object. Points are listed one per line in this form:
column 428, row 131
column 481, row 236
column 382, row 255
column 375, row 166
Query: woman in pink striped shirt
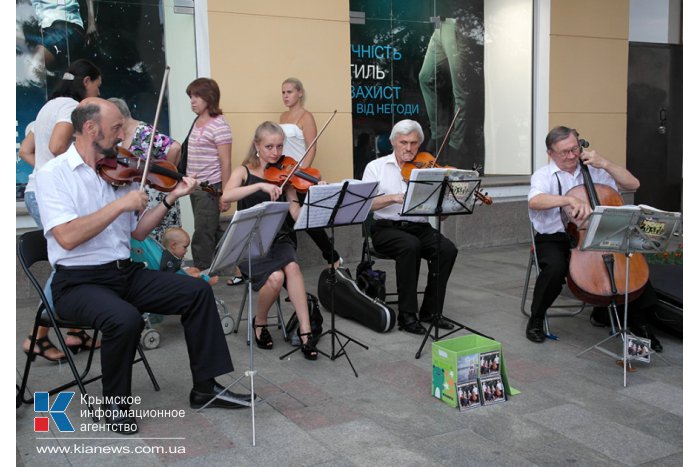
column 208, row 159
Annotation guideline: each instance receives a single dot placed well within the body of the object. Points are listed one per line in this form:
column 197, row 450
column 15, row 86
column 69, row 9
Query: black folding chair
column 368, row 252
column 573, row 306
column 31, row 249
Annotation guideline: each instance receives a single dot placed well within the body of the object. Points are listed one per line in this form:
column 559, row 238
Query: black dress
column 283, row 249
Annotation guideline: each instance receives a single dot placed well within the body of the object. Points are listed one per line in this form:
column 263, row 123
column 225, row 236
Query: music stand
column 441, row 192
column 627, row 230
column 249, row 235
column 328, row 206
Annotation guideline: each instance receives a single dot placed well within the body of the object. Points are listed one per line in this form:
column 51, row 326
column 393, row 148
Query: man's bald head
column 91, row 109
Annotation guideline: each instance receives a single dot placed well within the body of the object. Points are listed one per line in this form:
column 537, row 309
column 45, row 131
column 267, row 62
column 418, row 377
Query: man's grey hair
column 405, row 127
column 83, row 114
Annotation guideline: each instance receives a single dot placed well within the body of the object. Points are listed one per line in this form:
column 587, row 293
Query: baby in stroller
column 176, row 241
column 169, row 257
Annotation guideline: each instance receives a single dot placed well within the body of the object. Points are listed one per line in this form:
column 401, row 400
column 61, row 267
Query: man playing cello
column 547, row 198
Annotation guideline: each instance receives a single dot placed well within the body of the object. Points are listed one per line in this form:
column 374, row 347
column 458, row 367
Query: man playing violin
column 408, row 239
column 546, row 200
column 87, row 223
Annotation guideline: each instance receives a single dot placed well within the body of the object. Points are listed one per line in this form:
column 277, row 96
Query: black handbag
column 315, row 317
column 370, row 281
column 182, row 163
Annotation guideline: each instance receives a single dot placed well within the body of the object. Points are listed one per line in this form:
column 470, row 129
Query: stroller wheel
column 227, row 324
column 150, row 339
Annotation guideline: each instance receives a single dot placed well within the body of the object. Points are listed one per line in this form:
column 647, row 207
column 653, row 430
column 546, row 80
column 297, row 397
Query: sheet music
column 649, row 229
column 233, row 247
column 322, row 199
column 424, row 191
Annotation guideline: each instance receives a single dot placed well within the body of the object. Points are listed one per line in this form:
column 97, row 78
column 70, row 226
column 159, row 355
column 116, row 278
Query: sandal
column 235, row 280
column 265, row 339
column 85, row 341
column 308, row 348
column 45, row 344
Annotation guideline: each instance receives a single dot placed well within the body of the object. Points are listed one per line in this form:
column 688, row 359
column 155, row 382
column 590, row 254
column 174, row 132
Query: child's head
column 176, row 241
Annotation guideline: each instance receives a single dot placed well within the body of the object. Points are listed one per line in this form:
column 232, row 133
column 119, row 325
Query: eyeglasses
column 576, row 150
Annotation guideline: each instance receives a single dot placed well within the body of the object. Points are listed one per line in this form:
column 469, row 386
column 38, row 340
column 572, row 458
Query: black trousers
column 553, row 254
column 113, row 301
column 406, row 243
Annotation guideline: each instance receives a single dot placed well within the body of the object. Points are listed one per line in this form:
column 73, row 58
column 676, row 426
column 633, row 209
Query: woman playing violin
column 137, row 140
column 300, row 130
column 248, row 187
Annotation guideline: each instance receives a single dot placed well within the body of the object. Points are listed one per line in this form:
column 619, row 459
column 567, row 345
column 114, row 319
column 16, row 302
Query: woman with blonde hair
column 300, row 130
column 248, row 187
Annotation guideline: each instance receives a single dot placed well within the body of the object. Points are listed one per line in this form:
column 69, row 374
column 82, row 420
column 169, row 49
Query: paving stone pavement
column 571, row 410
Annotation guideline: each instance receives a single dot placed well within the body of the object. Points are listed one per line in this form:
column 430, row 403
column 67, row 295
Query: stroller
column 150, row 252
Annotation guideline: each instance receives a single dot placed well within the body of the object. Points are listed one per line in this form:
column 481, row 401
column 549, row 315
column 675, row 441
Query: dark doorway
column 655, row 123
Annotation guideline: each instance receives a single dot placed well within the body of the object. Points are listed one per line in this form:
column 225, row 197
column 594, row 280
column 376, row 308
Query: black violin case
column 351, row 303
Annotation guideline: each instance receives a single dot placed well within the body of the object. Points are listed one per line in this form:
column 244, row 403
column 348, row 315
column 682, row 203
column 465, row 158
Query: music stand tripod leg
column 437, row 315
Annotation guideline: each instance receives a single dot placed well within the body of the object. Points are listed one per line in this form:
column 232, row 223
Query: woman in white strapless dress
column 300, row 130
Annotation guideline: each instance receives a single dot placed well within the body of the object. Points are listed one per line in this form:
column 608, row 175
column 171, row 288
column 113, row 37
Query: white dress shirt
column 387, row 172
column 546, row 181
column 68, row 188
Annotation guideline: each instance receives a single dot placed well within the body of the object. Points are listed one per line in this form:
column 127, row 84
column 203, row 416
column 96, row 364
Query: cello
column 598, row 277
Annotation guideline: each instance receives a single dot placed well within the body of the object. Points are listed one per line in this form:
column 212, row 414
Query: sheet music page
column 648, row 228
column 233, row 246
column 322, row 199
column 424, row 191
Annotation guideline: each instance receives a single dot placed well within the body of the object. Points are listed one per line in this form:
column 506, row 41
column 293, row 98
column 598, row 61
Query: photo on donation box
column 490, row 364
column 469, row 396
column 467, row 368
column 492, row 390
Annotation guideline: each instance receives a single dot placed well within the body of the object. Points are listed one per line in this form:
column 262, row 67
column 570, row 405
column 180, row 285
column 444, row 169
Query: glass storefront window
column 464, row 64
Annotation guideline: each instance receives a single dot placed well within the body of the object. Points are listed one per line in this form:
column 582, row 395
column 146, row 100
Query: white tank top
column 294, row 144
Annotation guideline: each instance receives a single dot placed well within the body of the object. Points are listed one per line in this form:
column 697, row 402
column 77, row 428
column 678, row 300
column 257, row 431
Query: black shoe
column 442, row 322
column 409, row 323
column 599, row 317
column 646, row 333
column 535, row 335
column 117, row 419
column 265, row 339
column 308, row 348
column 222, row 401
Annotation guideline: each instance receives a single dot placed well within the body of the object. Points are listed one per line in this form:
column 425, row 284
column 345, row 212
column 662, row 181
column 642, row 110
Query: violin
column 597, row 277
column 425, row 160
column 286, row 168
column 126, row 168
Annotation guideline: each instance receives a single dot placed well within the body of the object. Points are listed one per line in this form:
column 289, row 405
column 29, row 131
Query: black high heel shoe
column 43, row 345
column 308, row 348
column 265, row 340
column 85, row 341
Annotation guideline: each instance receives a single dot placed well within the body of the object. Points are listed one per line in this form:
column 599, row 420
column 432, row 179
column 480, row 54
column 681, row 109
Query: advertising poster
column 420, row 60
column 124, row 39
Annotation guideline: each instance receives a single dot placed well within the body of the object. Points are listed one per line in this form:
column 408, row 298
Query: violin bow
column 313, row 143
column 153, row 133
column 447, row 135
